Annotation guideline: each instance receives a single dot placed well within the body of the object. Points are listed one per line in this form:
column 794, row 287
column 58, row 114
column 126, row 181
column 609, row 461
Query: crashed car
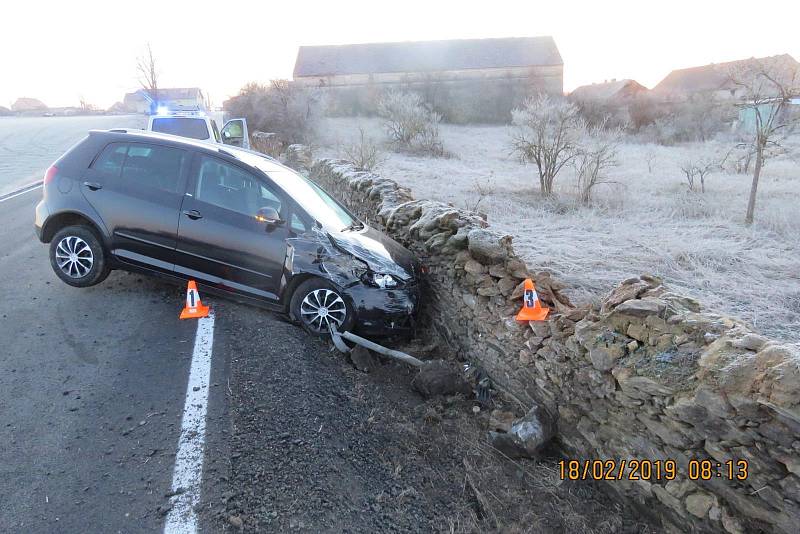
column 237, row 222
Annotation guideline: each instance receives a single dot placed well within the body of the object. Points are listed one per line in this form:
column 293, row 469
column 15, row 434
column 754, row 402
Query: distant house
column 615, row 91
column 175, row 98
column 4, row 111
column 28, row 104
column 449, row 73
column 715, row 79
column 531, row 58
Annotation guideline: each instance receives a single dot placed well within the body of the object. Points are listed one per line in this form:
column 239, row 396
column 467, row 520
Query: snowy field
column 645, row 222
column 28, row 145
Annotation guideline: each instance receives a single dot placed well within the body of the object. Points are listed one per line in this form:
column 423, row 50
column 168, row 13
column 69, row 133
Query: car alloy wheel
column 321, row 309
column 74, row 257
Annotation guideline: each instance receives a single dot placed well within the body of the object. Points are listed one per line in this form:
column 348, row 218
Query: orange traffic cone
column 532, row 309
column 194, row 309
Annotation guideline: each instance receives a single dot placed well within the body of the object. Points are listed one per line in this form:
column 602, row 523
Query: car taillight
column 49, row 174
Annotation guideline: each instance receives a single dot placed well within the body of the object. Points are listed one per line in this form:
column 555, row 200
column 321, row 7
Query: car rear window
column 185, row 127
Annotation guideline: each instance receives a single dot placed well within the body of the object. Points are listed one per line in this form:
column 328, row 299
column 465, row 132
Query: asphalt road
column 92, row 387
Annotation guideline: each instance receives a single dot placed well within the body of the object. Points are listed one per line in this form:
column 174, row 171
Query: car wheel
column 77, row 256
column 318, row 304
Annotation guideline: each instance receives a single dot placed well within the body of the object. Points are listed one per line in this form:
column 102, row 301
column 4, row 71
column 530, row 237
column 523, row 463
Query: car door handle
column 94, row 186
column 193, row 214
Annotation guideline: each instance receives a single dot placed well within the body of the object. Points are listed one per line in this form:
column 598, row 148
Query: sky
column 60, row 52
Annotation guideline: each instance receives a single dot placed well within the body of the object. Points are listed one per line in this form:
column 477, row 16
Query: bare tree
column 482, row 190
column 547, row 132
column 650, row 157
column 767, row 88
column 597, row 154
column 148, row 74
column 365, row 153
column 697, row 168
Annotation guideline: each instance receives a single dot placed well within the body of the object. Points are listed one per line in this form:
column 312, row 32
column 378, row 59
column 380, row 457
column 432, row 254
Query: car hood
column 381, row 253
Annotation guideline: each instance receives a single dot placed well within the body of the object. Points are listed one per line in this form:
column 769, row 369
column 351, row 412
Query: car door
column 234, row 133
column 136, row 188
column 223, row 239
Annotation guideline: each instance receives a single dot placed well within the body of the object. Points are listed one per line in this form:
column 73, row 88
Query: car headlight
column 383, row 281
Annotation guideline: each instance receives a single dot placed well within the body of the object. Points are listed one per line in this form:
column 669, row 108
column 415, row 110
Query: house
column 614, row 91
column 716, row 80
column 28, row 104
column 175, row 98
column 487, row 76
column 536, row 59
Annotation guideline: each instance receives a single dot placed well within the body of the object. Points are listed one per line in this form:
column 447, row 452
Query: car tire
column 317, row 303
column 77, row 256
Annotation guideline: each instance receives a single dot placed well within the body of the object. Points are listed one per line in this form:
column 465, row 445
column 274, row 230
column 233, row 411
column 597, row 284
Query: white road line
column 18, row 192
column 188, row 474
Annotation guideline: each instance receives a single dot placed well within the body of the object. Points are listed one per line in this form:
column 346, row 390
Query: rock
column 519, row 290
column 642, row 307
column 488, row 247
column 527, row 435
column 730, row 523
column 500, row 421
column 506, row 285
column 632, row 346
column 236, row 521
column 631, row 383
column 474, row 267
column 629, row 289
column 517, row 268
column 362, row 359
column 498, row 271
column 752, row 342
column 438, row 377
column 698, row 504
column 638, row 332
column 490, row 291
column 603, row 358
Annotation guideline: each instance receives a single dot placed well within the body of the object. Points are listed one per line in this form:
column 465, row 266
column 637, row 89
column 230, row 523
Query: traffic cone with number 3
column 532, row 309
column 194, row 308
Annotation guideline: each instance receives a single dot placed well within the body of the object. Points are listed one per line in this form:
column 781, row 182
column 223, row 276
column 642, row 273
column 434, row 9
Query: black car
column 237, row 222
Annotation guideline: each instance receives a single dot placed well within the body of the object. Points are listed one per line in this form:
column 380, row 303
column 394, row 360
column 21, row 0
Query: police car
column 200, row 125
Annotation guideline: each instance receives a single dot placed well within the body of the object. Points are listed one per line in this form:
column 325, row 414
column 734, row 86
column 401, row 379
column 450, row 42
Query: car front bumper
column 384, row 312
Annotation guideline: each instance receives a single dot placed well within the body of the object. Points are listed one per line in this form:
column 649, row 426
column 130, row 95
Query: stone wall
column 648, row 374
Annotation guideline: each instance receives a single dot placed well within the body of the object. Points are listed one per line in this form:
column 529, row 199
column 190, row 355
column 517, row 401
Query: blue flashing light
column 162, row 110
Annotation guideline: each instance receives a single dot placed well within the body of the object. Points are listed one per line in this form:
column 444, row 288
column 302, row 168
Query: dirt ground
column 316, row 445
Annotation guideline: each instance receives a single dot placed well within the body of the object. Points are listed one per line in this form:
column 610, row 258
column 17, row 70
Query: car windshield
column 185, row 127
column 313, row 199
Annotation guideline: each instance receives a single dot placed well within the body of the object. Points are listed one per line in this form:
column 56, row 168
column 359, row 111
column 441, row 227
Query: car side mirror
column 270, row 216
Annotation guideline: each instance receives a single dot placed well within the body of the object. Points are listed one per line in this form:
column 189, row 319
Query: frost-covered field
column 28, row 145
column 645, row 222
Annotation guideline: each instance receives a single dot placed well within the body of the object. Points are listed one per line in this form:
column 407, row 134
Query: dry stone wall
column 646, row 375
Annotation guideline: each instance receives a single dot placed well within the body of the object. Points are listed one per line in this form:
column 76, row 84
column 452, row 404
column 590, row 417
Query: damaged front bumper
column 384, row 312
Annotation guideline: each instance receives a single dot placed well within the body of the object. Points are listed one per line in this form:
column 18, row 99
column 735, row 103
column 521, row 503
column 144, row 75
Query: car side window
column 297, row 224
column 152, row 166
column 227, row 186
column 111, row 159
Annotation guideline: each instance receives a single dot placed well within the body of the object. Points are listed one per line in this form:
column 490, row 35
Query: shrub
column 597, row 154
column 410, row 123
column 365, row 153
column 286, row 109
column 547, row 132
column 696, row 169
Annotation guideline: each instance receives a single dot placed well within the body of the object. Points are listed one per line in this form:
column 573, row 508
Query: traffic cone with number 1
column 532, row 309
column 194, row 309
